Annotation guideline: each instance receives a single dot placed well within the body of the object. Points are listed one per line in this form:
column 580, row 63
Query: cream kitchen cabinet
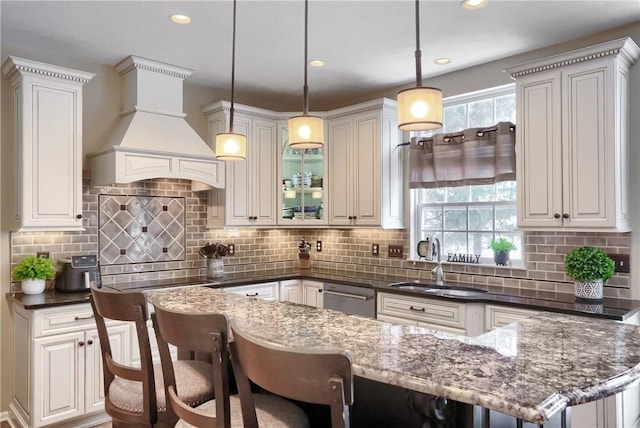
column 312, row 294
column 291, row 291
column 58, row 366
column 448, row 316
column 365, row 164
column 572, row 139
column 500, row 316
column 47, row 145
column 251, row 192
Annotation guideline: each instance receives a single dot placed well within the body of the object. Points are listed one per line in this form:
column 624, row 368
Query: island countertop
column 530, row 369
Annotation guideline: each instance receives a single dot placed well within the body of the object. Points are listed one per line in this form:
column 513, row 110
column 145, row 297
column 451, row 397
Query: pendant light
column 229, row 145
column 419, row 108
column 305, row 131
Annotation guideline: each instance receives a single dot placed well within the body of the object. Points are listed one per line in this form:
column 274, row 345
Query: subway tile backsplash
column 258, row 249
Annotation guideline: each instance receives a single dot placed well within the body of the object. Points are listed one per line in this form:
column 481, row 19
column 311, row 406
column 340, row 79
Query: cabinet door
column 312, row 292
column 366, row 178
column 238, row 187
column 589, row 147
column 341, row 166
column 51, row 156
column 216, row 202
column 291, row 291
column 58, row 378
column 119, row 338
column 263, row 180
column 538, row 148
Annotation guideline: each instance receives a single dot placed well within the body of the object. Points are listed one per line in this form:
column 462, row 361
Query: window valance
column 472, row 156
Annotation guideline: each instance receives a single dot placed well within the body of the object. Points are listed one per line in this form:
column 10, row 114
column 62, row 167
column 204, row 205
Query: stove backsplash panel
column 141, row 229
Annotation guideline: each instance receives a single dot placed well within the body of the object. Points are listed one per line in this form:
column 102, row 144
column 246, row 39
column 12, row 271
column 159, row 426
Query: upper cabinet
column 251, row 190
column 572, row 139
column 47, row 145
column 302, row 177
column 365, row 166
column 355, row 180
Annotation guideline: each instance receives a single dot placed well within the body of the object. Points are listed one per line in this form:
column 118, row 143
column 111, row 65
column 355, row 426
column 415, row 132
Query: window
column 467, row 218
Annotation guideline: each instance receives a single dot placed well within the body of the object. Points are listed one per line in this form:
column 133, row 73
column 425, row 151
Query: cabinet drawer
column 265, row 291
column 430, row 311
column 62, row 320
column 499, row 316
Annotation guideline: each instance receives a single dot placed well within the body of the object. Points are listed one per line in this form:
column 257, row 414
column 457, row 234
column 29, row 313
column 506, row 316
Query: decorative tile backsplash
column 343, row 249
column 140, row 229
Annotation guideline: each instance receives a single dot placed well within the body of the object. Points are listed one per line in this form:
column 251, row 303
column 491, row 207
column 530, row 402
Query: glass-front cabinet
column 302, row 179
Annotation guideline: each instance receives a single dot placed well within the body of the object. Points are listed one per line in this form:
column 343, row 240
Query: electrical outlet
column 232, row 249
column 44, row 254
column 319, row 246
column 622, row 262
column 375, row 249
column 395, row 251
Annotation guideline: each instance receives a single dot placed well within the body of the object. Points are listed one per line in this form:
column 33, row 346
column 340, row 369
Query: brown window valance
column 472, row 156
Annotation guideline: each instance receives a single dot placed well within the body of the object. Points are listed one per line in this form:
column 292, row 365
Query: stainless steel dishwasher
column 350, row 299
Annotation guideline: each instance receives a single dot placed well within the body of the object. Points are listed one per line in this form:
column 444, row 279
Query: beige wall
column 345, row 249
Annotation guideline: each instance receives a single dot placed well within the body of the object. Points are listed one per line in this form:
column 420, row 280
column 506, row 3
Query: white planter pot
column 591, row 290
column 33, row 286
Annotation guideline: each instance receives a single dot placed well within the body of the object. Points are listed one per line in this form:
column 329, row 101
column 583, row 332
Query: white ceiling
column 368, row 45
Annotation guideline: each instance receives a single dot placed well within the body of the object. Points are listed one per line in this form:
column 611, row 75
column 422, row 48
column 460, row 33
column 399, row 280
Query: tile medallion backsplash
column 141, row 229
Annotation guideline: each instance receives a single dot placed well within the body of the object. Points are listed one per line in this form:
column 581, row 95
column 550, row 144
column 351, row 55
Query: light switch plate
column 395, row 251
column 622, row 262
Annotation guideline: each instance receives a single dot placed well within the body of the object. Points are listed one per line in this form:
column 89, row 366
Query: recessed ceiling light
column 180, row 19
column 316, row 63
column 442, row 61
column 474, row 4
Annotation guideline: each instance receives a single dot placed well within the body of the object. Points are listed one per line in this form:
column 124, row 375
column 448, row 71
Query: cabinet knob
column 556, row 215
column 350, row 217
column 355, row 217
column 319, row 290
column 89, row 342
column 78, row 216
column 565, row 215
column 81, row 343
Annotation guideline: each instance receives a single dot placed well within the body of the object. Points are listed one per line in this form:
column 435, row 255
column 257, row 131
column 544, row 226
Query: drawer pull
column 83, row 318
column 81, row 343
column 89, row 342
column 252, row 294
column 416, row 309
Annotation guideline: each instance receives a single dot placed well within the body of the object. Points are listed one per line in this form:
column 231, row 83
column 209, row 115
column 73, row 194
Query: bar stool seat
column 272, row 412
column 193, row 379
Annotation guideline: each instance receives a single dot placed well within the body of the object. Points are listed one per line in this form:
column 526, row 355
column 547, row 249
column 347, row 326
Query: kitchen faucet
column 437, row 271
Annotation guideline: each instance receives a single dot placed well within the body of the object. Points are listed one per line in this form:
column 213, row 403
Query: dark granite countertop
column 611, row 308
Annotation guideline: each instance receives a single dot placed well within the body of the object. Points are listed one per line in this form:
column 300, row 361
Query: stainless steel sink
column 438, row 290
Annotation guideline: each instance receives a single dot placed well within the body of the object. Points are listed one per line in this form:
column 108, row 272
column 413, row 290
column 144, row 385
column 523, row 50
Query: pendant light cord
column 418, row 52
column 305, row 107
column 233, row 67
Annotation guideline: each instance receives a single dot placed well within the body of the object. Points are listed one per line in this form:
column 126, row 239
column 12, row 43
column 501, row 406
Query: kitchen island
column 531, row 369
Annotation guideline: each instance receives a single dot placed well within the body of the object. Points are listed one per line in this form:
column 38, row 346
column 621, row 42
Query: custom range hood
column 152, row 139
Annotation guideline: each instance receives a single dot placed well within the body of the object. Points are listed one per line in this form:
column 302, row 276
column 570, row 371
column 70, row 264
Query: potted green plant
column 33, row 272
column 501, row 248
column 589, row 267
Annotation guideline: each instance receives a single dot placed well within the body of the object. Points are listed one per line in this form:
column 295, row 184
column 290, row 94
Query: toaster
column 78, row 273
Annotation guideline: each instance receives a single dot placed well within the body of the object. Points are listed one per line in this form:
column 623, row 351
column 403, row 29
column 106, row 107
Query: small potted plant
column 589, row 267
column 33, row 272
column 214, row 253
column 501, row 248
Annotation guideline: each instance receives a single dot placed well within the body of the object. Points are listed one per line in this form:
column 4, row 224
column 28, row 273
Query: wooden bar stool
column 310, row 376
column 135, row 396
column 207, row 333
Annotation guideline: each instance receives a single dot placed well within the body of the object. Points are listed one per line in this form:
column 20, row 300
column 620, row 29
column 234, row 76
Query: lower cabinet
column 305, row 292
column 58, row 366
column 437, row 314
column 312, row 293
column 500, row 316
column 265, row 290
